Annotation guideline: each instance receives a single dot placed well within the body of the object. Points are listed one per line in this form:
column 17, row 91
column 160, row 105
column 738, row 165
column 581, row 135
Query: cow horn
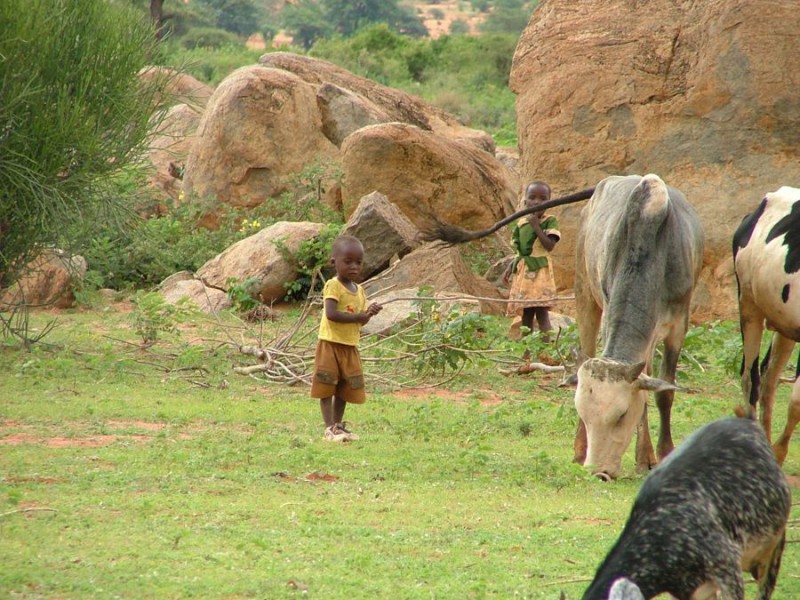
column 653, row 384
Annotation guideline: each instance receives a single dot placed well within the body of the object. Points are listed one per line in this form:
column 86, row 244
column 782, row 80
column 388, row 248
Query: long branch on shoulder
column 453, row 234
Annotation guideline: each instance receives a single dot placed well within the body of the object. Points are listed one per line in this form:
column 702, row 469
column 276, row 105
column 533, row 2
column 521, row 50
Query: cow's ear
column 633, row 371
column 653, row 384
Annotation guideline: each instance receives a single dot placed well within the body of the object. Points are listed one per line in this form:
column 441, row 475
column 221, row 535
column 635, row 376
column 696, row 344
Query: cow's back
column 767, row 260
column 638, row 258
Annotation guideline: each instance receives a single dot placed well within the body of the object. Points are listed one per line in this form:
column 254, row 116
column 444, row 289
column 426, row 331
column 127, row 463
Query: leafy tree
column 509, row 16
column 73, row 113
column 349, row 16
column 306, row 22
column 241, row 17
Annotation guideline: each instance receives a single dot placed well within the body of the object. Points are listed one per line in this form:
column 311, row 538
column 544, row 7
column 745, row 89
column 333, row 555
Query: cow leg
column 581, row 443
column 664, row 399
column 781, row 447
column 751, row 323
column 589, row 315
column 645, row 457
column 779, row 355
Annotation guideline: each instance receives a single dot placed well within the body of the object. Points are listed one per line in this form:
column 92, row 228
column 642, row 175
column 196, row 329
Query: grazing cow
column 766, row 255
column 717, row 505
column 639, row 252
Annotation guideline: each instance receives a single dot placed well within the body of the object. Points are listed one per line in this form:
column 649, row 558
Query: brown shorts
column 338, row 372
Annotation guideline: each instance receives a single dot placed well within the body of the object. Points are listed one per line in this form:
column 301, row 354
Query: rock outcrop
column 426, row 174
column 260, row 126
column 702, row 93
column 440, row 268
column 47, row 280
column 169, row 151
column 383, row 230
column 377, row 99
column 259, row 256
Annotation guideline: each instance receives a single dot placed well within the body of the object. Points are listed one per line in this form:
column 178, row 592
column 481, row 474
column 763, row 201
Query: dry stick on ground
column 26, row 510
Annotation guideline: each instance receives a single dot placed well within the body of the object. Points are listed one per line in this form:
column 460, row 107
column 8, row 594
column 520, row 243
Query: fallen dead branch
column 27, row 510
column 531, row 367
column 400, row 360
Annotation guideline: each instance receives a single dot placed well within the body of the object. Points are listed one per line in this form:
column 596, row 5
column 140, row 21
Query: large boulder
column 343, row 112
column 424, row 173
column 383, row 230
column 181, row 88
column 378, row 102
column 402, row 306
column 183, row 286
column 169, row 150
column 703, row 94
column 47, row 280
column 260, row 126
column 260, row 256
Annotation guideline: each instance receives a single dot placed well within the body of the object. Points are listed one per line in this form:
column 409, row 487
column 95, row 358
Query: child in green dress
column 533, row 237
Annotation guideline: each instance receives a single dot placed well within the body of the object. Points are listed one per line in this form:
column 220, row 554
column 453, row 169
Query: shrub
column 209, row 37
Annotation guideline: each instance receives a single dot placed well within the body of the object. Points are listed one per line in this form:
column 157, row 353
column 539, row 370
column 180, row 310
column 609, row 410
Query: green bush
column 209, row 37
column 140, row 253
column 212, row 65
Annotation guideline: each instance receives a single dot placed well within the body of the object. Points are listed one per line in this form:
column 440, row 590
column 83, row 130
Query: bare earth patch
column 486, row 397
column 17, row 438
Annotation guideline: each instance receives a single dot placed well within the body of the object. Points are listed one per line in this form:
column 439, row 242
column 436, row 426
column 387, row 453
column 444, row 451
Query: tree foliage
column 73, row 113
column 508, row 16
column 311, row 20
column 241, row 17
column 465, row 75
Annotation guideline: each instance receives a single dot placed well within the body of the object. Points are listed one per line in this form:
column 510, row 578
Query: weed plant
column 134, row 471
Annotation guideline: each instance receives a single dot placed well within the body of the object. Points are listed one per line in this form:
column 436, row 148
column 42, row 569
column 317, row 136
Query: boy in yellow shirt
column 338, row 376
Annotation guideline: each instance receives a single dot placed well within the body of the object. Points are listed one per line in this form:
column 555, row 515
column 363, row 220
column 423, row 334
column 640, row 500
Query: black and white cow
column 766, row 254
column 639, row 253
column 714, row 507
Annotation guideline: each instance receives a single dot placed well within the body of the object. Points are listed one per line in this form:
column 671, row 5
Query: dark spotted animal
column 717, row 505
column 766, row 253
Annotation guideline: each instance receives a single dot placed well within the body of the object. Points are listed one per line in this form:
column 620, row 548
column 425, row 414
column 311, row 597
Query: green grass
column 131, row 473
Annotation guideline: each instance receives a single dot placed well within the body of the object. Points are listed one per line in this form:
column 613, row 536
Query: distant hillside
column 439, row 15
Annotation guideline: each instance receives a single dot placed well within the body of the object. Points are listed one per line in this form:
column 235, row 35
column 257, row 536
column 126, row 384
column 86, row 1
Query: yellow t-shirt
column 346, row 301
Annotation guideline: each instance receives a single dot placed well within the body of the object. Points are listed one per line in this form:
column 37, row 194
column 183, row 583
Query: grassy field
column 158, row 472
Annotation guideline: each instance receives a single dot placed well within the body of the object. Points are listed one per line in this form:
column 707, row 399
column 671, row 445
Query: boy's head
column 536, row 193
column 347, row 257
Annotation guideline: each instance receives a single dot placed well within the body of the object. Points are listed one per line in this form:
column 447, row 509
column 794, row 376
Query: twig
column 530, row 367
column 482, row 298
column 25, row 510
column 568, row 581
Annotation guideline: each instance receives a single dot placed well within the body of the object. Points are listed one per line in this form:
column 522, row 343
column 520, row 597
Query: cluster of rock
column 402, row 161
column 701, row 93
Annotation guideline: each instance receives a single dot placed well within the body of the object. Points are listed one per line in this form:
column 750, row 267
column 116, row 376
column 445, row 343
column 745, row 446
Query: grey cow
column 639, row 253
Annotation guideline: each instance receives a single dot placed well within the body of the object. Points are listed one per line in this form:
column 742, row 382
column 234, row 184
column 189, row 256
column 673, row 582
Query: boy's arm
column 548, row 241
column 338, row 316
